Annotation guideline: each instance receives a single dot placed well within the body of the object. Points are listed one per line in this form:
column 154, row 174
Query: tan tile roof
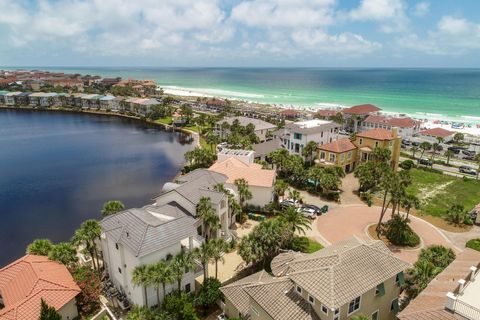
column 437, row 132
column 362, row 109
column 24, row 282
column 236, row 169
column 430, row 303
column 236, row 294
column 343, row 271
column 377, row 134
column 338, row 146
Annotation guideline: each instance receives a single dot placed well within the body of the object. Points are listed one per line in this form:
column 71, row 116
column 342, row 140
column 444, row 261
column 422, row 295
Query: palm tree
column 295, row 221
column 414, row 150
column 208, row 216
column 204, row 253
column 40, row 247
column 112, row 207
column 309, row 151
column 141, row 277
column 294, row 195
column 279, row 189
column 161, row 275
column 244, row 192
column 449, row 154
column 410, row 201
column 65, row 253
column 424, row 146
column 86, row 235
column 218, row 248
column 381, row 155
column 182, row 263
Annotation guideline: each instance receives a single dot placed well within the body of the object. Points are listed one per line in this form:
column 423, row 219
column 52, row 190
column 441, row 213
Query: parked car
column 343, row 132
column 468, row 152
column 469, row 158
column 289, row 203
column 309, row 213
column 415, row 143
column 406, row 142
column 455, row 150
column 317, row 210
column 425, row 162
column 467, row 170
column 222, row 316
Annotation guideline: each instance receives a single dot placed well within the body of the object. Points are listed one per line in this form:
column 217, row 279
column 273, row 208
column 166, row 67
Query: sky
column 240, row 33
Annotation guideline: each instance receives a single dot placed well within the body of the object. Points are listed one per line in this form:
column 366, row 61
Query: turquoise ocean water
column 443, row 94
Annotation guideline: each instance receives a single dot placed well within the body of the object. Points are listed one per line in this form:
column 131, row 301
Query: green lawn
column 166, row 120
column 438, row 192
column 473, row 244
column 313, row 246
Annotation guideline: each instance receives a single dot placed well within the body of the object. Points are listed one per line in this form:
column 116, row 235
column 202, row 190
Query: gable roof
column 437, row 132
column 327, row 112
column 377, row 134
column 244, row 121
column 31, row 278
column 151, row 228
column 361, row 109
column 344, row 271
column 252, row 173
column 405, row 122
column 430, row 303
column 264, row 148
column 338, row 146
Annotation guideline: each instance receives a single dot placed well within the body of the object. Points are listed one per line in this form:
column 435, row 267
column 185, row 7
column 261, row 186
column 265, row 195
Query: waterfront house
column 261, row 127
column 10, row 98
column 75, row 100
column 90, row 101
column 352, row 277
column 432, row 135
column 406, row 127
column 144, row 106
column 2, row 96
column 25, row 282
column 22, row 99
column 34, row 99
column 347, row 153
column 353, row 116
column 295, row 136
column 48, row 99
column 142, row 236
column 454, row 294
column 106, row 102
column 239, row 164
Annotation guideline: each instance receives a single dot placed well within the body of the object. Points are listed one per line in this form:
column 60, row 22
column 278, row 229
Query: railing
column 466, row 310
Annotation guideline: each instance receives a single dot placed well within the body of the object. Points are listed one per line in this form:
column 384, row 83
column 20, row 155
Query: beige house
column 349, row 278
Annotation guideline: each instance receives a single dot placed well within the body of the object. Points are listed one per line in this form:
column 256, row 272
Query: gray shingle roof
column 264, row 148
column 146, row 230
column 244, row 121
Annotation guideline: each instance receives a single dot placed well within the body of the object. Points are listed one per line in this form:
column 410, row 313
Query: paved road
column 453, row 171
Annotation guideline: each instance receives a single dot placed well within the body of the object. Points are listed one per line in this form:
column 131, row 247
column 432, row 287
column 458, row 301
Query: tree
column 218, row 248
column 244, row 192
column 294, row 195
column 161, row 275
column 141, row 278
column 414, row 150
column 399, row 233
column 209, row 293
column 458, row 137
column 179, row 306
column 47, row 312
column 86, row 235
column 410, row 201
column 457, row 215
column 88, row 281
column 449, row 154
column 112, row 207
column 424, row 146
column 279, row 189
column 65, row 253
column 309, row 151
column 40, row 247
column 206, row 213
column 381, row 155
column 204, row 253
column 187, row 112
column 183, row 262
column 439, row 255
column 295, row 221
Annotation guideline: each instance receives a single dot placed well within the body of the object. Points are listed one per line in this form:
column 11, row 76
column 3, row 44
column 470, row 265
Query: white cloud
column 452, row 25
column 390, row 13
column 421, row 9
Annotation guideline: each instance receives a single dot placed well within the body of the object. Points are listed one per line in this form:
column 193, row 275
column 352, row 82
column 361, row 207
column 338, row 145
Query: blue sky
column 305, row 33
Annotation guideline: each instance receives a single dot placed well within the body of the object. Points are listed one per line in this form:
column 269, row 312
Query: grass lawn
column 438, row 192
column 313, row 246
column 166, row 120
column 474, row 244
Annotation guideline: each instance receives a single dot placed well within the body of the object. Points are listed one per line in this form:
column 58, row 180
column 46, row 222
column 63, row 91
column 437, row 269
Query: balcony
column 465, row 300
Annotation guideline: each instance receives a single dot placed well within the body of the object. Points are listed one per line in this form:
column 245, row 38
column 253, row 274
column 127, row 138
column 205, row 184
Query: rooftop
column 405, row 122
column 362, row 109
column 437, row 132
column 244, row 121
column 235, row 152
column 31, row 278
column 338, row 146
column 264, row 148
column 252, row 173
column 377, row 134
column 311, row 123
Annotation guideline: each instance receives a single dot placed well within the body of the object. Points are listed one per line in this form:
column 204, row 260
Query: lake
column 57, row 170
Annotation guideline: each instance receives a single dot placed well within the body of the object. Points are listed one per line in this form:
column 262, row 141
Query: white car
column 307, row 212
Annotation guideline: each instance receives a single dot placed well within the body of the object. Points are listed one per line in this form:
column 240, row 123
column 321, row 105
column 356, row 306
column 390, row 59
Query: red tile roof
column 26, row 281
column 326, row 113
column 289, row 113
column 361, row 109
column 437, row 132
column 338, row 146
column 377, row 134
column 395, row 122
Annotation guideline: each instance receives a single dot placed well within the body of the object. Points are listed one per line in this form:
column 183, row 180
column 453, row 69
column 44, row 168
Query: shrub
column 88, row 302
column 179, row 305
column 399, row 233
column 473, row 244
column 439, row 255
column 300, row 244
column 209, row 293
column 428, row 169
column 407, row 164
column 458, row 215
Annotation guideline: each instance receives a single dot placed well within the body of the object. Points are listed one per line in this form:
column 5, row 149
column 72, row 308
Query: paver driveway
column 343, row 221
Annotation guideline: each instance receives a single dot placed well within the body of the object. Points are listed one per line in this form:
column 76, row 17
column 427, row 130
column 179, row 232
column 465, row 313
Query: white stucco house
column 406, row 127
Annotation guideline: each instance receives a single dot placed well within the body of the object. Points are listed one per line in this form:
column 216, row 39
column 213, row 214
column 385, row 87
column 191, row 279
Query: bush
column 458, row 215
column 399, row 233
column 473, row 244
column 439, row 255
column 209, row 293
column 407, row 164
column 180, row 306
column 88, row 302
column 428, row 169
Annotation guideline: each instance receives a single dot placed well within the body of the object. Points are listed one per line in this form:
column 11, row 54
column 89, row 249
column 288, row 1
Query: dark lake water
column 57, row 170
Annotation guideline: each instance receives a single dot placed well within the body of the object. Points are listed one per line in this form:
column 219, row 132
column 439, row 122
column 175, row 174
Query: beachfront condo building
column 406, row 127
column 348, row 153
column 352, row 277
column 296, row 135
column 222, row 127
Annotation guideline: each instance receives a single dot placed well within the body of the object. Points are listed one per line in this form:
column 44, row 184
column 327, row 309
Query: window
column 399, row 279
column 322, row 155
column 297, row 136
column 188, row 288
column 361, row 141
column 380, row 290
column 332, row 157
column 394, row 305
column 342, row 157
column 375, row 315
column 376, row 144
column 119, row 270
column 299, row 290
column 324, row 309
column 311, row 300
column 321, row 134
column 349, row 155
column 354, row 305
column 336, row 314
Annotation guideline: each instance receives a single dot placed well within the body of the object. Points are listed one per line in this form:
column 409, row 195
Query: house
column 187, row 190
column 48, row 99
column 289, row 114
column 90, row 101
column 356, row 114
column 326, row 113
column 347, row 154
column 10, row 98
column 22, row 99
column 432, row 135
column 238, row 164
column 2, row 96
column 262, row 149
column 349, row 278
column 452, row 295
column 296, row 135
column 406, row 127
column 141, row 236
column 106, row 102
column 25, row 282
column 261, row 127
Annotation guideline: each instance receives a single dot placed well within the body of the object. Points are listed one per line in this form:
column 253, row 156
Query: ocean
column 57, row 170
column 434, row 94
